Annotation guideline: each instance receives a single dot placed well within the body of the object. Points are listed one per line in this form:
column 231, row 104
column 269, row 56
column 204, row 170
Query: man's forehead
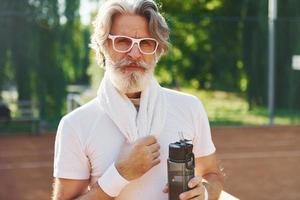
column 130, row 25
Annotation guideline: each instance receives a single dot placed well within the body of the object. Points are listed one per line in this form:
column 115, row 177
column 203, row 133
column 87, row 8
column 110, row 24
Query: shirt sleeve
column 203, row 144
column 70, row 161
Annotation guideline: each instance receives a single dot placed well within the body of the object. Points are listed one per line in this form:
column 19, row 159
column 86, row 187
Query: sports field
column 260, row 163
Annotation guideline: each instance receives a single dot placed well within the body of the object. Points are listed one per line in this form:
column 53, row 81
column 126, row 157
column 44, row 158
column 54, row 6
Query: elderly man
column 116, row 146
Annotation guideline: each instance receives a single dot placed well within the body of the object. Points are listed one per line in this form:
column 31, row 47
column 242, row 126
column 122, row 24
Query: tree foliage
column 223, row 44
column 216, row 45
column 44, row 48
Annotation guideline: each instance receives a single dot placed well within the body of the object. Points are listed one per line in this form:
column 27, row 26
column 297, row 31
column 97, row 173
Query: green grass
column 225, row 108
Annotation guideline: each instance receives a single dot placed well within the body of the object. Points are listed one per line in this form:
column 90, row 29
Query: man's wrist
column 111, row 182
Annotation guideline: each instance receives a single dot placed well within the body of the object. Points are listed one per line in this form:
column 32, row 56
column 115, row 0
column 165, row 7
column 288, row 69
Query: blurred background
column 219, row 53
column 240, row 57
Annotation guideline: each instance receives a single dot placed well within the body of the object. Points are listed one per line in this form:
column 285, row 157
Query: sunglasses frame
column 134, row 41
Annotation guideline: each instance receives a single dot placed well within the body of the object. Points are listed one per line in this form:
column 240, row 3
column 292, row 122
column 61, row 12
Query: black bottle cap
column 180, row 151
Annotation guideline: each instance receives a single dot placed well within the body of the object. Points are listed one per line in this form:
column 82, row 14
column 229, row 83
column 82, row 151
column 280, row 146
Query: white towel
column 150, row 118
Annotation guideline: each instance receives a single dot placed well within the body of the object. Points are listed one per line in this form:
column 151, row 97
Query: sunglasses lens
column 148, row 45
column 122, row 43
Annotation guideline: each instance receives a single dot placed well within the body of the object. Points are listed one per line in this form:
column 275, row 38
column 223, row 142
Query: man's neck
column 134, row 95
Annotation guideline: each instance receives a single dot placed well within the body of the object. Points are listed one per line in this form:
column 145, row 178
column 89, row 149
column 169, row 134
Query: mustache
column 126, row 62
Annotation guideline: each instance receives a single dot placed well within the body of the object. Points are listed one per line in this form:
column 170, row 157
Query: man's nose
column 134, row 53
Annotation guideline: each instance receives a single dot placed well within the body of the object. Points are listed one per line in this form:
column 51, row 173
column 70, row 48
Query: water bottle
column 181, row 165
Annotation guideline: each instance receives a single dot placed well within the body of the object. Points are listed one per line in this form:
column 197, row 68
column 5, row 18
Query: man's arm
column 207, row 167
column 67, row 189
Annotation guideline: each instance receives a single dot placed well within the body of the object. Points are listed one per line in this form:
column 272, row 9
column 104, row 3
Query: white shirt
column 88, row 142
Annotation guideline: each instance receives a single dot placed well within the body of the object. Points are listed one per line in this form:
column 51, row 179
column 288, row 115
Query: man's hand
column 197, row 193
column 136, row 159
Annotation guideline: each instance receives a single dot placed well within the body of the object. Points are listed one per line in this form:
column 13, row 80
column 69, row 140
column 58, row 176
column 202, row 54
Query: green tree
column 206, row 48
column 44, row 45
column 254, row 34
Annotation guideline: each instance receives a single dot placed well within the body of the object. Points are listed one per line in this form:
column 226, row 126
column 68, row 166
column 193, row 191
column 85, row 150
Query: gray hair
column 146, row 8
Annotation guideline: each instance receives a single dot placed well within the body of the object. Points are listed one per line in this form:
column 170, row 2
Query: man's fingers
column 194, row 193
column 154, row 147
column 196, row 198
column 155, row 155
column 148, row 140
column 195, row 181
column 155, row 162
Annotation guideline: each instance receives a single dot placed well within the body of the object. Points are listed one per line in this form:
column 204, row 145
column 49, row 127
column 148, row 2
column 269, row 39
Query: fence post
column 272, row 15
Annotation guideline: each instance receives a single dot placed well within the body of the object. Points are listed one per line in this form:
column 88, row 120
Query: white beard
column 129, row 82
